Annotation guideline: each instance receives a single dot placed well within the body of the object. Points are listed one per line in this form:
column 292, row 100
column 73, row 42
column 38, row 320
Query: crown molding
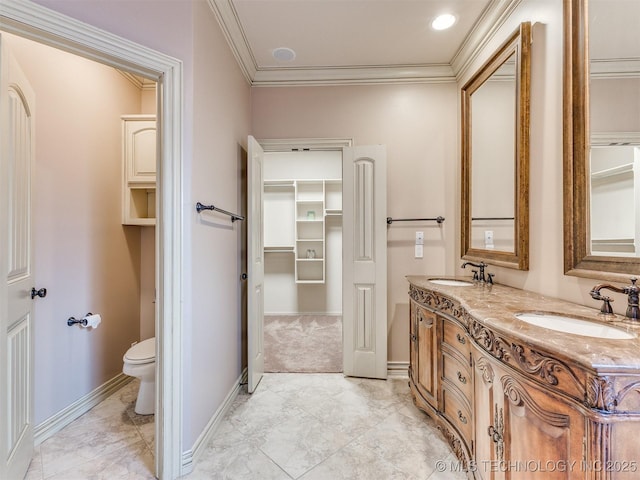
column 494, row 16
column 599, row 139
column 491, row 19
column 232, row 29
column 615, row 68
column 139, row 82
column 368, row 75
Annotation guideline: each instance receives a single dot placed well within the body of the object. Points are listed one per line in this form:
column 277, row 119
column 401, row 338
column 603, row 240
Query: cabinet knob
column 414, row 338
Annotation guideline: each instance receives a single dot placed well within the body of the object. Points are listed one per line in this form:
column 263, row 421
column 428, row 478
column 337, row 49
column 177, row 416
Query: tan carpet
column 304, row 343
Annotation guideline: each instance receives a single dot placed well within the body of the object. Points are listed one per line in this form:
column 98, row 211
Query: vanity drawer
column 457, row 412
column 456, row 373
column 456, row 337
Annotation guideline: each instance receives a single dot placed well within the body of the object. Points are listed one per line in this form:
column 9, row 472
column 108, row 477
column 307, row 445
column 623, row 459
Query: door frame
column 289, row 144
column 40, row 24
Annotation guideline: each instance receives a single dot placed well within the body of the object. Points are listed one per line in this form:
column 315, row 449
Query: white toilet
column 140, row 361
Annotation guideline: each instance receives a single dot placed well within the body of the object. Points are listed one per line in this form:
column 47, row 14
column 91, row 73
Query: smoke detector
column 284, row 54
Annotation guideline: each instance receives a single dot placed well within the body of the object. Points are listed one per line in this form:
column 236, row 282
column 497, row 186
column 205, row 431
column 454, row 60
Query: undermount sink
column 450, row 282
column 575, row 326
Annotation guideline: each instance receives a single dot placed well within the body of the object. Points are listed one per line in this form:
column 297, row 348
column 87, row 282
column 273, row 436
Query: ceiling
column 355, row 41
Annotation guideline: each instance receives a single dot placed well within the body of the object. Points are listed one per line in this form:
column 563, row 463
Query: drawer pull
column 414, row 338
column 461, row 417
column 461, row 339
column 461, row 378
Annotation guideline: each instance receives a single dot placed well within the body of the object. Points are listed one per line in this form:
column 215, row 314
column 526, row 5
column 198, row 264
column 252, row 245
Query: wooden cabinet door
column 425, row 368
column 523, row 432
column 140, row 148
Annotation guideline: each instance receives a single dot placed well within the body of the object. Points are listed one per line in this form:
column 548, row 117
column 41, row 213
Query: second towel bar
column 234, row 216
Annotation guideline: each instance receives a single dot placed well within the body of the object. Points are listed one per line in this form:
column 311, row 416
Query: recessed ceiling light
column 284, row 54
column 442, row 22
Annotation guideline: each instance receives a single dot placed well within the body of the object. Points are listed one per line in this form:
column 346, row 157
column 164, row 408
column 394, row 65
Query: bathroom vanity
column 519, row 401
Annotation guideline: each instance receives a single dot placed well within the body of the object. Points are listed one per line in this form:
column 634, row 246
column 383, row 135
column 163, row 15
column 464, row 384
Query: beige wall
column 220, row 128
column 83, row 255
column 420, row 126
column 215, row 121
column 546, row 272
column 417, row 123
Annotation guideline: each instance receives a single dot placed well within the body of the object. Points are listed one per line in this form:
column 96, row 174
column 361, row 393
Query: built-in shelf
column 279, row 249
column 612, row 172
column 138, row 169
column 295, row 213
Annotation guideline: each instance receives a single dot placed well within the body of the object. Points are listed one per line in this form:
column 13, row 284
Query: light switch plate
column 419, row 238
column 419, row 251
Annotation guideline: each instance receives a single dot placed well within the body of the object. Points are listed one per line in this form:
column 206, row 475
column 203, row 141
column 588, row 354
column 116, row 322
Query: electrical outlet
column 419, row 251
column 419, row 238
column 488, row 238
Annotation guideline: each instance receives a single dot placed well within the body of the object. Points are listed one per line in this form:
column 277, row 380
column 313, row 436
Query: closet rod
column 437, row 219
column 234, row 216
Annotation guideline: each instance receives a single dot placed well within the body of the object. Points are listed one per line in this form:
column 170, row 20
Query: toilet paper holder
column 74, row 320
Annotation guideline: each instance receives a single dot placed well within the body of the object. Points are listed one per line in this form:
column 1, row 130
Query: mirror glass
column 602, row 138
column 495, row 156
column 493, row 140
column 614, row 112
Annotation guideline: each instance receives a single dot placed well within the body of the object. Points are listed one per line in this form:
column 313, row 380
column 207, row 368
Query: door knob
column 38, row 293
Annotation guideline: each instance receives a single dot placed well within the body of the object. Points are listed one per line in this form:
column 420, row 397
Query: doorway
column 364, row 264
column 302, row 205
column 34, row 22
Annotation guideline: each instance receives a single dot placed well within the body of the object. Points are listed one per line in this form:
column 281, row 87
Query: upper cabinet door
column 140, row 148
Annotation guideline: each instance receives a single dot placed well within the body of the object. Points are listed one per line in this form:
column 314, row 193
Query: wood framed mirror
column 495, row 156
column 602, row 139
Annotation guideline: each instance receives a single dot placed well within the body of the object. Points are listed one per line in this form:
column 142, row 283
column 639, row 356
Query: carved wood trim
column 528, row 360
column 632, row 387
column 439, row 302
column 456, row 445
column 600, row 394
column 486, row 369
column 518, row 396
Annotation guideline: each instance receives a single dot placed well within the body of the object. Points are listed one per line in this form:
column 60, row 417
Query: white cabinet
column 139, row 169
column 295, row 213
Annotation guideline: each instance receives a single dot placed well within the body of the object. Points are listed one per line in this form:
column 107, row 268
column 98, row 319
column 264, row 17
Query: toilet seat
column 141, row 353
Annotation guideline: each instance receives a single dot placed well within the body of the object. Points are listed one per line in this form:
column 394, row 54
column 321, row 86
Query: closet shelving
column 295, row 214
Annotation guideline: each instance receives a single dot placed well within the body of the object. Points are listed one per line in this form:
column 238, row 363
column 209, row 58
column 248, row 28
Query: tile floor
column 109, row 442
column 295, row 426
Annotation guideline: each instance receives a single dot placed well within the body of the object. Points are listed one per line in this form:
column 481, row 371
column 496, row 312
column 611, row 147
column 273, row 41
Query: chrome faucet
column 480, row 276
column 633, row 311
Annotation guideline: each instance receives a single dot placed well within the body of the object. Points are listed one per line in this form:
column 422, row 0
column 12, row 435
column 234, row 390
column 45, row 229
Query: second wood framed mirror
column 495, row 156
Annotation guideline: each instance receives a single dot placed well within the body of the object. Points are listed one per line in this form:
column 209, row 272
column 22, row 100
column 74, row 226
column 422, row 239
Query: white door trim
column 51, row 28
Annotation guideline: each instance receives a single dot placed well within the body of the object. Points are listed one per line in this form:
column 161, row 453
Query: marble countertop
column 495, row 306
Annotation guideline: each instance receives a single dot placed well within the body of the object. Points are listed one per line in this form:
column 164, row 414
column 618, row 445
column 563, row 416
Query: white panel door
column 17, row 103
column 364, row 258
column 255, row 264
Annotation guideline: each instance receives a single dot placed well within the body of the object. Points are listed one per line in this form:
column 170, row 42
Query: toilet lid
column 141, row 352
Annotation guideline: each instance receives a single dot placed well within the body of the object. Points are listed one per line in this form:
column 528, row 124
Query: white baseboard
column 64, row 417
column 398, row 369
column 294, row 314
column 191, row 456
